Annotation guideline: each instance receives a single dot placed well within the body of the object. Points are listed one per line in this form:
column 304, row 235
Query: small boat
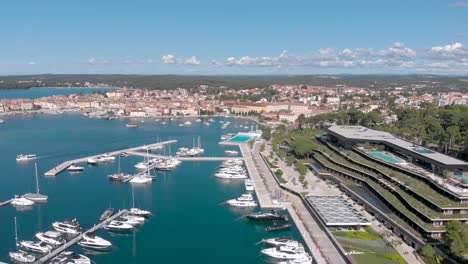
column 120, row 177
column 26, row 157
column 280, row 241
column 20, row 201
column 92, row 161
column 248, row 183
column 106, row 214
column 52, row 238
column 277, row 227
column 2, row 121
column 71, row 227
column 306, row 259
column 285, row 252
column 129, row 221
column 105, row 158
column 136, row 211
column 123, row 154
column 69, row 257
column 198, row 120
column 35, row 246
column 267, row 216
column 131, row 125
column 36, row 197
column 187, row 123
column 94, row 242
column 231, row 152
column 74, row 168
column 118, row 226
column 226, row 175
column 141, row 178
column 22, row 257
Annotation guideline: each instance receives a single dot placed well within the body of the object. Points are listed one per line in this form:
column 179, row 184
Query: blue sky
column 233, row 37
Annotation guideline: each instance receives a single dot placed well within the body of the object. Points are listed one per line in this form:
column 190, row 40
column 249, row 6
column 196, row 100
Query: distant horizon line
column 240, row 75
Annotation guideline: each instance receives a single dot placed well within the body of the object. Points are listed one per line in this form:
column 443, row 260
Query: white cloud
column 459, row 4
column 94, row 61
column 168, row 59
column 448, row 48
column 171, row 59
column 397, row 58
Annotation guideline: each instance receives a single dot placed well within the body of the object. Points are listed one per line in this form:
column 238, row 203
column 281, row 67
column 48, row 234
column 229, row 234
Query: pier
column 194, row 158
column 75, row 240
column 63, row 166
column 5, row 202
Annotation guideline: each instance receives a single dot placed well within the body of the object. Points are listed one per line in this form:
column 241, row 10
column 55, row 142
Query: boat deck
column 75, row 240
column 63, row 166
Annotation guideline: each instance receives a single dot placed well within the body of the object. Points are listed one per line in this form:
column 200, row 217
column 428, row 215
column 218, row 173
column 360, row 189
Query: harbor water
column 191, row 223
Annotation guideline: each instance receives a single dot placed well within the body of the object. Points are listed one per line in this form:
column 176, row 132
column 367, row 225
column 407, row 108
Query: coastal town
column 274, row 104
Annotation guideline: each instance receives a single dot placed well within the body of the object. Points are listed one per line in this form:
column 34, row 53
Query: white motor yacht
column 198, row 120
column 92, row 161
column 105, row 157
column 26, row 157
column 129, row 221
column 94, row 242
column 118, row 226
column 285, row 252
column 35, row 246
column 22, row 257
column 306, row 259
column 71, row 227
column 280, row 241
column 139, row 212
column 52, row 238
column 75, row 168
column 242, row 203
column 69, row 257
column 20, row 201
column 134, row 218
column 249, row 185
column 231, row 152
column 226, row 175
column 187, row 123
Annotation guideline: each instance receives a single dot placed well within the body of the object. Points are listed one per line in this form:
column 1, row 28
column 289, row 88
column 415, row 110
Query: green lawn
column 368, row 258
column 367, row 234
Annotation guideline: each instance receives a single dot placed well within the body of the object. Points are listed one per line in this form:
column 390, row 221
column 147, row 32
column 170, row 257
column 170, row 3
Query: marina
column 75, row 240
column 169, row 193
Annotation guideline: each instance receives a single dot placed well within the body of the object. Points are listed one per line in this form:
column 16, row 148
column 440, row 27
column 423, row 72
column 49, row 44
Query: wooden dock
column 75, row 240
column 63, row 166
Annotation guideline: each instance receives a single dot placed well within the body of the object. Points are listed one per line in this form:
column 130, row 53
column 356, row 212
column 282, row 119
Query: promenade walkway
column 316, row 240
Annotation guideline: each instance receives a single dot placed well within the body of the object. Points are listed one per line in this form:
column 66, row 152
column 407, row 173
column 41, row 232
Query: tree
column 301, row 146
column 301, row 120
column 429, row 254
column 456, row 238
column 266, row 133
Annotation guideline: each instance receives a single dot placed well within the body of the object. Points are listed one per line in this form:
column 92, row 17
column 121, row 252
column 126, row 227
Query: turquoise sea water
column 190, row 223
column 33, row 93
column 383, row 156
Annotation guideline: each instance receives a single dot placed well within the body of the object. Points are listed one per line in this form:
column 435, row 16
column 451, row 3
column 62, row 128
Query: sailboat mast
column 37, row 180
column 118, row 172
column 16, row 233
column 133, row 198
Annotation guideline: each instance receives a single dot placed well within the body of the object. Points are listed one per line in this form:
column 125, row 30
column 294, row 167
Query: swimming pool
column 460, row 176
column 240, row 138
column 383, row 156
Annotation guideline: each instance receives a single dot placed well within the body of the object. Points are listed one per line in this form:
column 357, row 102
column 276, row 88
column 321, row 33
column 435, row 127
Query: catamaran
column 36, row 197
column 20, row 256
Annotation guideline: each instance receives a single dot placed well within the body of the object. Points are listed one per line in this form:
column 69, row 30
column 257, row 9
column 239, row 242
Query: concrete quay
column 75, row 240
column 261, row 190
column 63, row 166
column 196, row 158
